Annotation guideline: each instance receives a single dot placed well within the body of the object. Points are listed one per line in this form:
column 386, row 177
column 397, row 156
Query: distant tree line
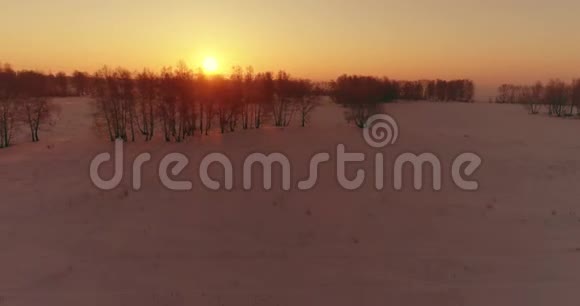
column 363, row 95
column 178, row 102
column 559, row 98
column 24, row 99
column 437, row 90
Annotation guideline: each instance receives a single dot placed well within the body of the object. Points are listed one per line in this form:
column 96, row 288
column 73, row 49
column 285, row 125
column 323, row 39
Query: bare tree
column 534, row 102
column 168, row 104
column 38, row 111
column 556, row 97
column 126, row 97
column 282, row 107
column 147, row 88
column 8, row 117
column 468, row 91
column 209, row 117
column 115, row 95
column 204, row 107
column 307, row 99
column 262, row 94
column 36, row 106
column 186, row 112
column 222, row 101
column 248, row 99
column 235, row 97
column 575, row 94
column 8, row 105
column 503, row 94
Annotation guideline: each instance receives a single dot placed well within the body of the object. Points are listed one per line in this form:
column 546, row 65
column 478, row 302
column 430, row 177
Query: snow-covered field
column 512, row 242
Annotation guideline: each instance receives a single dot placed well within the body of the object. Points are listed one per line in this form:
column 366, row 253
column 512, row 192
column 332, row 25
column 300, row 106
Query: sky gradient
column 490, row 42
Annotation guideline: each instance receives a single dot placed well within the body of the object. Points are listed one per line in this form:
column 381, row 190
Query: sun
column 210, row 65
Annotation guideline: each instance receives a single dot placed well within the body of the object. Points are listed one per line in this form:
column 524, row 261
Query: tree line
column 177, row 103
column 363, row 95
column 559, row 98
column 181, row 102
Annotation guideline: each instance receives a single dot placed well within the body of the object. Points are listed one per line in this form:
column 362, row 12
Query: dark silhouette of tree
column 508, row 93
column 283, row 108
column 114, row 92
column 502, row 94
column 360, row 95
column 147, row 91
column 575, row 95
column 307, row 99
column 411, row 90
column 222, row 101
column 263, row 91
column 24, row 99
column 33, row 95
column 441, row 90
column 556, row 96
column 168, row 105
column 61, row 84
column 390, row 90
column 8, row 105
column 235, row 97
column 80, row 83
column 468, row 91
column 248, row 99
column 204, row 104
column 453, row 90
column 127, row 97
column 186, row 115
column 535, row 96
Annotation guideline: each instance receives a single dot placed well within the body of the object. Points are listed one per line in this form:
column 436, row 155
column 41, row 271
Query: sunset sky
column 489, row 41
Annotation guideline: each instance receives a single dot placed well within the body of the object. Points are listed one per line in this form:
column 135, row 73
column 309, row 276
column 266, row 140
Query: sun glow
column 210, row 65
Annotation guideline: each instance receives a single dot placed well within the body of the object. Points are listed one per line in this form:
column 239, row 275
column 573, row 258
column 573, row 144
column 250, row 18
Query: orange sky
column 489, row 41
